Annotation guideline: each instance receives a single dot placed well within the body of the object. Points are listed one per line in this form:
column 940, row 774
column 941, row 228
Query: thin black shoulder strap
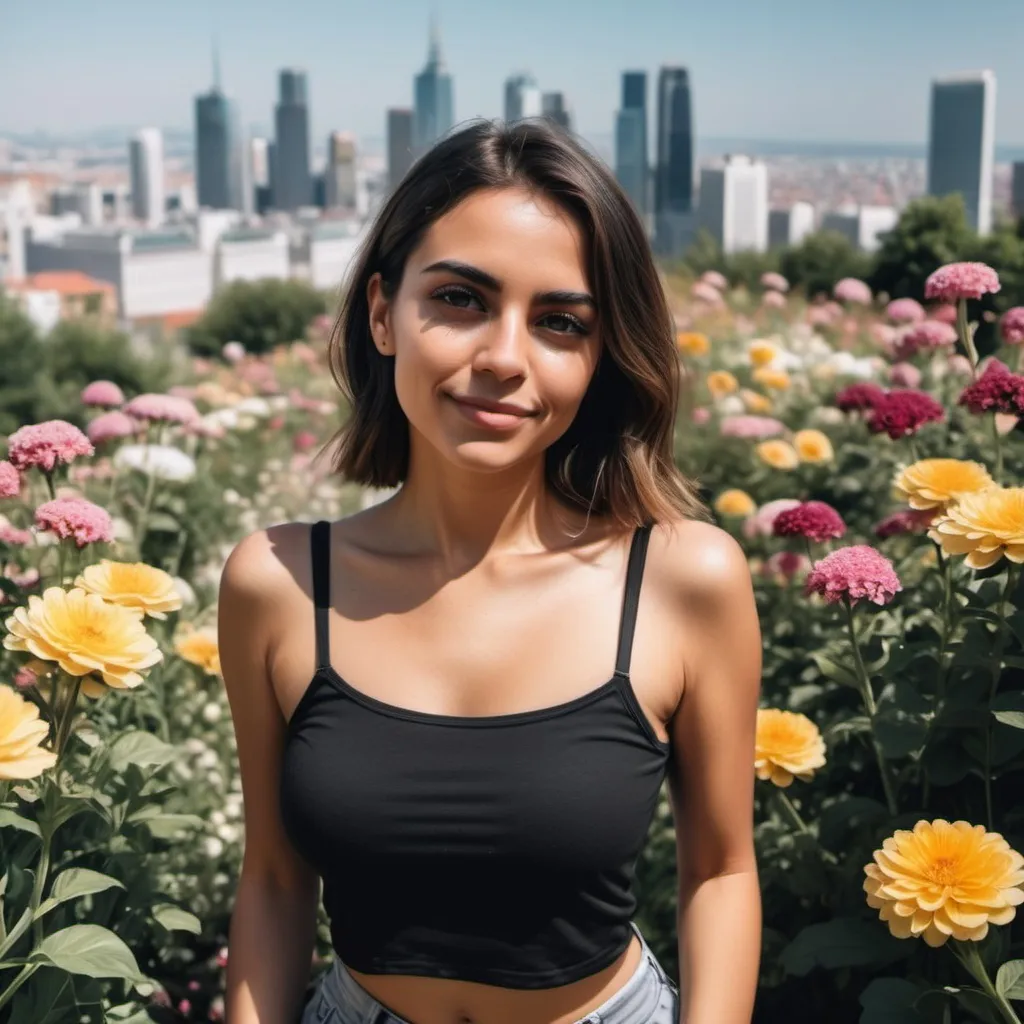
column 631, row 598
column 320, row 552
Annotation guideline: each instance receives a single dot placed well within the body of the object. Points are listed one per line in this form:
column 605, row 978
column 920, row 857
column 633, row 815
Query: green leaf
column 139, row 748
column 1010, row 979
column 834, row 671
column 162, row 522
column 898, row 733
column 1015, row 719
column 88, row 949
column 890, row 1001
column 842, row 942
column 175, row 919
column 1016, row 624
column 976, row 1002
column 8, row 819
column 165, row 826
column 75, row 882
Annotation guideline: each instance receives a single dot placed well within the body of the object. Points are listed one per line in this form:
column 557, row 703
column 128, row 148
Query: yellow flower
column 761, row 352
column 84, row 634
column 21, row 733
column 132, row 585
column 813, row 446
column 934, row 483
column 755, row 402
column 735, row 503
column 778, row 454
column 693, row 343
column 985, row 526
column 777, row 380
column 722, row 382
column 200, row 648
column 788, row 745
column 945, row 879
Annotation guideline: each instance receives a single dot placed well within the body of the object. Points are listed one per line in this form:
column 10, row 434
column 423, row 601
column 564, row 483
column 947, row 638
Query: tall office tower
column 146, row 158
column 961, row 146
column 221, row 179
column 673, row 171
column 790, row 225
column 552, row 106
column 1017, row 190
column 733, row 204
column 631, row 168
column 259, row 162
column 434, row 110
column 522, row 97
column 400, row 147
column 293, row 183
column 340, row 172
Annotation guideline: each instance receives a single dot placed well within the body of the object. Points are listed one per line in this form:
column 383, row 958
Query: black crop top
column 498, row 849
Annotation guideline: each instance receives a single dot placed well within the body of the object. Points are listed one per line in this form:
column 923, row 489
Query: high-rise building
column 673, row 172
column 1017, row 189
column 259, row 161
column 400, row 145
column 631, row 167
column 292, row 181
column 864, row 226
column 340, row 172
column 221, row 179
column 553, row 107
column 961, row 145
column 733, row 205
column 789, row 226
column 522, row 97
column 434, row 109
column 146, row 159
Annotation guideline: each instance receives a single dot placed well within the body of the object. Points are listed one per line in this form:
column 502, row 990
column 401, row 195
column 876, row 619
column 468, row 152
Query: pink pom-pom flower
column 715, row 279
column 815, row 520
column 701, row 291
column 860, row 396
column 773, row 300
column 904, row 311
column 774, row 282
column 925, row 336
column 957, row 281
column 76, row 518
column 852, row 290
column 43, row 445
column 762, row 522
column 163, row 408
column 904, row 375
column 103, row 393
column 904, row 411
column 854, row 573
column 10, row 480
column 111, row 426
column 944, row 312
column 1011, row 326
column 751, row 426
column 998, row 389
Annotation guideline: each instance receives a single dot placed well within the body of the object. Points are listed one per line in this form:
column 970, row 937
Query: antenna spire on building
column 216, row 66
column 434, row 57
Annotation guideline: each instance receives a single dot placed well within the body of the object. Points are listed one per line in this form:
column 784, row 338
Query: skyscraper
column 400, row 147
column 340, row 172
column 522, row 97
column 146, row 157
column 673, row 174
column 293, row 183
column 631, row 167
column 434, row 111
column 734, row 204
column 552, row 106
column 1017, row 189
column 221, row 179
column 961, row 146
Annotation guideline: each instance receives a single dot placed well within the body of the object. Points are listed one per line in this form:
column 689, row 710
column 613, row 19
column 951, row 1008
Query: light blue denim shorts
column 648, row 997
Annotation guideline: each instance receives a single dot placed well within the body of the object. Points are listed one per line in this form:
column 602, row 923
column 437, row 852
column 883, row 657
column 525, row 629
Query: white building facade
column 862, row 225
column 791, row 225
column 733, row 204
column 146, row 157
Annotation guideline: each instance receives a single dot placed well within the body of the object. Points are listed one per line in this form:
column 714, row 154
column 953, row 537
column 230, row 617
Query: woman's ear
column 380, row 315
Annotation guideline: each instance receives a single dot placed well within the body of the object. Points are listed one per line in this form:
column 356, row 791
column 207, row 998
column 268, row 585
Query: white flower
column 828, row 415
column 184, row 590
column 218, row 818
column 207, row 759
column 278, row 402
column 225, row 417
column 161, row 460
column 213, row 846
column 212, row 712
column 866, row 367
column 231, row 496
column 123, row 530
column 254, row 406
column 229, row 833
column 731, row 405
column 194, row 745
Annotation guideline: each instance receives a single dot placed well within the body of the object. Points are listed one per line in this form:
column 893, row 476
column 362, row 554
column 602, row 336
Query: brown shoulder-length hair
column 616, row 457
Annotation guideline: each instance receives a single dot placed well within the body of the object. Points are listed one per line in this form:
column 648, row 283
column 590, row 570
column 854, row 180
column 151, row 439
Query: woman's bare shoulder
column 699, row 561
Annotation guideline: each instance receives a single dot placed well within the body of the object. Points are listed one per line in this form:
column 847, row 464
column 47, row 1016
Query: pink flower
column 815, row 520
column 111, row 426
column 904, row 411
column 45, row 444
column 787, row 564
column 945, row 312
column 908, row 520
column 859, row 396
column 751, row 426
column 10, row 534
column 184, row 1007
column 10, row 480
column 927, row 335
column 853, row 573
column 883, row 334
column 998, row 389
column 959, row 363
column 24, row 677
column 162, row 408
column 762, row 522
column 904, row 311
column 700, row 415
column 303, row 441
column 957, row 281
column 773, row 300
column 715, row 279
column 852, row 290
column 75, row 517
column 905, row 375
column 1011, row 326
column 233, row 351
column 222, row 957
column 102, row 392
column 773, row 281
column 701, row 291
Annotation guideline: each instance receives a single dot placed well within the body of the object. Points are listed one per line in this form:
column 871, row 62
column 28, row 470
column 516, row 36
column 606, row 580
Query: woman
column 416, row 689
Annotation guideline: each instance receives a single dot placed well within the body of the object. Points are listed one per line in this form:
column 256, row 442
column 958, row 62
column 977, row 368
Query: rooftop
column 65, row 282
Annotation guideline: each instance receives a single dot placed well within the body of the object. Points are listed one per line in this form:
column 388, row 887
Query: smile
column 495, row 415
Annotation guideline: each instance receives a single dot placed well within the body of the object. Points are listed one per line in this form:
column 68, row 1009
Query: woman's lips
column 495, row 415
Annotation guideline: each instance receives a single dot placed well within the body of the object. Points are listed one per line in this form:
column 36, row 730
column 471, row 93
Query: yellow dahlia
column 984, row 526
column 933, row 483
column 693, row 343
column 945, row 879
column 754, row 401
column 769, row 377
column 761, row 352
column 200, row 648
column 813, row 446
column 132, row 585
column 84, row 634
column 722, row 382
column 778, row 454
column 735, row 502
column 21, row 733
column 788, row 746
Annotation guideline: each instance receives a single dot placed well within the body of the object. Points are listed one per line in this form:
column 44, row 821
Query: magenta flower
column 715, row 279
column 162, row 408
column 75, row 517
column 860, row 396
column 908, row 520
column 904, row 411
column 774, row 282
column 103, row 393
column 852, row 290
column 10, row 481
column 45, row 444
column 905, row 311
column 957, row 281
column 815, row 520
column 904, row 375
column 111, row 426
column 998, row 389
column 927, row 335
column 786, row 564
column 1011, row 326
column 762, row 522
column 853, row 573
column 750, row 426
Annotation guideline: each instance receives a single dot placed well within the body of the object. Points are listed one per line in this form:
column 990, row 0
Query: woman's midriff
column 422, row 1000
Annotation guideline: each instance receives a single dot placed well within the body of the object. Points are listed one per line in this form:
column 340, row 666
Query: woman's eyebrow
column 485, row 280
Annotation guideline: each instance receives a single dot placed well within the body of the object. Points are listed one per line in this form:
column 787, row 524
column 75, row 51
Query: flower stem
column 998, row 440
column 790, row 812
column 969, row 956
column 26, row 972
column 964, row 330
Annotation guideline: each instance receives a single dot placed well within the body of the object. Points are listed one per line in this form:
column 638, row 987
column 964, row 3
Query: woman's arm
column 273, row 921
column 711, row 782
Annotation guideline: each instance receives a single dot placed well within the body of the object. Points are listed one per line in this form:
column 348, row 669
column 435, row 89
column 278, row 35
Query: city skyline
column 146, row 68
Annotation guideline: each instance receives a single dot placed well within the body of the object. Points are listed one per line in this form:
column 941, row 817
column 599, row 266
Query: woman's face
column 494, row 330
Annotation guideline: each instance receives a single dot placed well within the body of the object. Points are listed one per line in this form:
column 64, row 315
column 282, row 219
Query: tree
column 820, row 260
column 20, row 357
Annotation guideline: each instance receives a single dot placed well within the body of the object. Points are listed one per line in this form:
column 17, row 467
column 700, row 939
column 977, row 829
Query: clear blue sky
column 781, row 69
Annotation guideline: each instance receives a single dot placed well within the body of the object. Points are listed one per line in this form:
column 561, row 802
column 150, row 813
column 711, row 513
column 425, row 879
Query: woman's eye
column 457, row 297
column 566, row 324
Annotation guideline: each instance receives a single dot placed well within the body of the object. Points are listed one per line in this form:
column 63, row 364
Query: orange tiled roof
column 172, row 321
column 66, row 282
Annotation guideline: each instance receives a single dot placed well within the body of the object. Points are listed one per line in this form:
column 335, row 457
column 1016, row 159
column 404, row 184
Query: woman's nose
column 503, row 346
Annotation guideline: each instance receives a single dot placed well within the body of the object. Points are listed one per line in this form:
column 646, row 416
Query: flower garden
column 861, row 450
